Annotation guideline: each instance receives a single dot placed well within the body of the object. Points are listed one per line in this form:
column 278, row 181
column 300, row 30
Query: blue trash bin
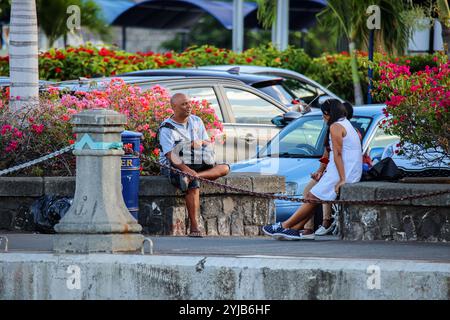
column 130, row 172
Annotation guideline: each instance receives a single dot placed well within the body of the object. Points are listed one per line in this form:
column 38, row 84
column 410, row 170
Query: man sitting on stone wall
column 175, row 133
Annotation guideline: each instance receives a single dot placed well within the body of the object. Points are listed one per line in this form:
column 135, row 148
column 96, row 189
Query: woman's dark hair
column 348, row 106
column 336, row 110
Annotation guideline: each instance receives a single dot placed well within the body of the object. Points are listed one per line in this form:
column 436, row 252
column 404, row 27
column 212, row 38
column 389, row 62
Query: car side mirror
column 278, row 121
column 376, row 153
column 291, row 116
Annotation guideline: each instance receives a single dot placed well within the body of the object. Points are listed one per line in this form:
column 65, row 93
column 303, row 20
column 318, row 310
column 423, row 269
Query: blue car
column 296, row 150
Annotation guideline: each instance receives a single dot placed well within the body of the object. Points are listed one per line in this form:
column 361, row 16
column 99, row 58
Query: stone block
column 268, row 183
column 176, row 221
column 157, row 186
column 237, row 225
column 211, row 227
column 21, row 187
column 359, row 191
column 239, row 181
column 261, row 212
column 210, row 207
column 224, row 225
column 208, row 189
column 433, row 201
column 228, row 205
column 251, row 231
column 392, row 191
column 87, row 243
column 59, row 186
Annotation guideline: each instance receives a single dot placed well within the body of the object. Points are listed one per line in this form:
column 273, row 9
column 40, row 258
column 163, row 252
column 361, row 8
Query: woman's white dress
column 352, row 158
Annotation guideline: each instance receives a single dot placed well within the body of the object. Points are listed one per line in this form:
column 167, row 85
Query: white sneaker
column 322, row 231
column 302, row 236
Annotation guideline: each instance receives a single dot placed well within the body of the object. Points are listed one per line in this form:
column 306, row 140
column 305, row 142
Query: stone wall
column 162, row 209
column 43, row 276
column 426, row 219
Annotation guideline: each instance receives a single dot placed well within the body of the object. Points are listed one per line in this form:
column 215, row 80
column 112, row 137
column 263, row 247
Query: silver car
column 245, row 112
column 306, row 89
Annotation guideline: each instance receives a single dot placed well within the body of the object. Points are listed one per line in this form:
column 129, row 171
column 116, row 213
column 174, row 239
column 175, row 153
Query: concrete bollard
column 98, row 220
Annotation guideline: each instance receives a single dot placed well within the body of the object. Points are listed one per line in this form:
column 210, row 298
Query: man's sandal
column 195, row 234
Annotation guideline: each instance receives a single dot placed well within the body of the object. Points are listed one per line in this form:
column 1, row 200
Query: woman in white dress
column 345, row 166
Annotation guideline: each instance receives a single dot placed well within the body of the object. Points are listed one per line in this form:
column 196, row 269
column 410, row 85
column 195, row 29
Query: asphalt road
column 327, row 247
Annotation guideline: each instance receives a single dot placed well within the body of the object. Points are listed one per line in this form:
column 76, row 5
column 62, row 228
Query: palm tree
column 349, row 18
column 23, row 55
column 52, row 15
column 443, row 11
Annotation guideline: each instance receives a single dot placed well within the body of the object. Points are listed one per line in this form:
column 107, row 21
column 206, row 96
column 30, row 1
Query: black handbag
column 384, row 170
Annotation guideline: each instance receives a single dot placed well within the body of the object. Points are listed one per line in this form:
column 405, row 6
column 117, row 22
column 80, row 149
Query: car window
column 279, row 93
column 303, row 139
column 361, row 124
column 249, row 108
column 303, row 90
column 382, row 139
column 200, row 94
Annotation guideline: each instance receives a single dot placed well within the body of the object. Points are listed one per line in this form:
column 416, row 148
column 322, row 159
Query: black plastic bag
column 384, row 170
column 47, row 211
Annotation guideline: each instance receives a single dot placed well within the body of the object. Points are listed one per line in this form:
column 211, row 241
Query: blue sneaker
column 289, row 234
column 272, row 229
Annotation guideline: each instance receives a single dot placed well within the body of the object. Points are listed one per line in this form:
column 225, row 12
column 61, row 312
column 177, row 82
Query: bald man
column 185, row 127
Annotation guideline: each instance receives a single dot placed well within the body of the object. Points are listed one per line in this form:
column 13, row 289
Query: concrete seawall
column 104, row 276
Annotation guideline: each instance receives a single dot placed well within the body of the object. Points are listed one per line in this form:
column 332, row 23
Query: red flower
column 60, row 55
column 249, row 60
column 170, row 62
column 65, row 117
column 105, row 60
column 208, row 50
column 155, row 152
column 168, row 55
column 105, row 52
column 58, row 70
column 71, row 141
column 37, row 128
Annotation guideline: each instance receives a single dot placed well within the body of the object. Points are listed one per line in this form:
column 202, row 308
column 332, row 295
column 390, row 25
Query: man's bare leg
column 192, row 198
column 215, row 173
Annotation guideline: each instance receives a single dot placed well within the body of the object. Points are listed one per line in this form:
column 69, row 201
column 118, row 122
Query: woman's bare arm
column 337, row 137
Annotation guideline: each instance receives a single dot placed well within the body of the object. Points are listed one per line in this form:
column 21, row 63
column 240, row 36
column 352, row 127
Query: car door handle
column 248, row 137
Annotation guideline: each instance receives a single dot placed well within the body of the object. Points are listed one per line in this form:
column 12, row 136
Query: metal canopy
column 162, row 14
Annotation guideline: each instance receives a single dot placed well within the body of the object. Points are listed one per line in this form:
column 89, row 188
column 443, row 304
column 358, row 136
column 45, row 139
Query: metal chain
column 236, row 189
column 292, row 199
column 36, row 161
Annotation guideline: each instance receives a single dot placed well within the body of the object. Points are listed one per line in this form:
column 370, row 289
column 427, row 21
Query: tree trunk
column 23, row 55
column 446, row 38
column 359, row 100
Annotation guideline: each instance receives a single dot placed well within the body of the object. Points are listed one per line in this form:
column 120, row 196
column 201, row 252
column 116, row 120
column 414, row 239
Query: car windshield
column 279, row 93
column 305, row 138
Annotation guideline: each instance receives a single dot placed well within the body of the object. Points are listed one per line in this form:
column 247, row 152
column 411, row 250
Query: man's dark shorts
column 174, row 179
